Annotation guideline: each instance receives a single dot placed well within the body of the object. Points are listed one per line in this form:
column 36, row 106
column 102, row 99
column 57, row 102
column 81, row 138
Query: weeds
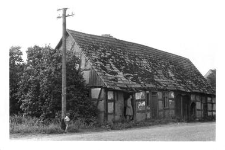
column 25, row 125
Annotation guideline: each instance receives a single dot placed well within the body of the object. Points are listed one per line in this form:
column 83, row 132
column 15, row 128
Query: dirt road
column 172, row 132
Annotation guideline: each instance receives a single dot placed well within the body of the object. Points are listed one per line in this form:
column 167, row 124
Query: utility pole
column 64, row 60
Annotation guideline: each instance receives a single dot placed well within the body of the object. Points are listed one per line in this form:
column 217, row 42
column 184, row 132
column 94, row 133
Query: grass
column 32, row 125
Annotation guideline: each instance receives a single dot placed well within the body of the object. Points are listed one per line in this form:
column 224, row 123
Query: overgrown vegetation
column 35, row 89
column 26, row 125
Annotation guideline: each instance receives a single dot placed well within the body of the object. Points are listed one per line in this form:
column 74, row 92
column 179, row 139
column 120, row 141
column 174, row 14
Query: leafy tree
column 211, row 78
column 16, row 66
column 41, row 85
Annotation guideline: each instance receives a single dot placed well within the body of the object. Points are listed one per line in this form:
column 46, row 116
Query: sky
column 186, row 28
column 194, row 29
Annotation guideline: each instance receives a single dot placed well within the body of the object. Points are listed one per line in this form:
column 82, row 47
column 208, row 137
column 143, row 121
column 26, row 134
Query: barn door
column 154, row 105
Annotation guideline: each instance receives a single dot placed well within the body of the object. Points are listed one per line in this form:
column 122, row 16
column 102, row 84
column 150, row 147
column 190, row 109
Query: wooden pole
column 64, row 63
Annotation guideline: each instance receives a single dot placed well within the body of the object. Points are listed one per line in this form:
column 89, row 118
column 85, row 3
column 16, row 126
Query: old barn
column 163, row 85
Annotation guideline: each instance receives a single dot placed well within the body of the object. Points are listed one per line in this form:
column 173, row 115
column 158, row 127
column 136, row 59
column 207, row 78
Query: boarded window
column 110, row 95
column 171, row 94
column 95, row 92
column 159, row 95
column 140, row 95
column 141, row 105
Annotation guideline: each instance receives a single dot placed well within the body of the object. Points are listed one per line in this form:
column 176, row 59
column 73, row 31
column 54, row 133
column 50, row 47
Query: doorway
column 193, row 111
column 182, row 104
column 126, row 96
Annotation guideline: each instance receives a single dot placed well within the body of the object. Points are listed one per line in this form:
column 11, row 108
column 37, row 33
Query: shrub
column 27, row 124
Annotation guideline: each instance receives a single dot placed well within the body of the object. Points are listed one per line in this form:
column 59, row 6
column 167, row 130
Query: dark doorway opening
column 154, row 105
column 193, row 111
column 126, row 96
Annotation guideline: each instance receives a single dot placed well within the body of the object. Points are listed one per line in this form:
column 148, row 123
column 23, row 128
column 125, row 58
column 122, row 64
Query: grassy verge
column 29, row 125
column 32, row 125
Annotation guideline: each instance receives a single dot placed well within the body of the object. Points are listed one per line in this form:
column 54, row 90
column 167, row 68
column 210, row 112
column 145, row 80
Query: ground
column 171, row 132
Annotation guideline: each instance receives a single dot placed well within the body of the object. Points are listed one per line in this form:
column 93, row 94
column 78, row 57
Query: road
column 172, row 132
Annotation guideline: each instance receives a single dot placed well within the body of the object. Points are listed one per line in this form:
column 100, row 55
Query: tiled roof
column 126, row 65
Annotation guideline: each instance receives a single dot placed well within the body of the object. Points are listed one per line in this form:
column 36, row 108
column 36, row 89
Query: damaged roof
column 121, row 65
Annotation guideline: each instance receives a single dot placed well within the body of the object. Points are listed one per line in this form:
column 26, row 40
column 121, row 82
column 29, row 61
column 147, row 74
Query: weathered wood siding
column 94, row 79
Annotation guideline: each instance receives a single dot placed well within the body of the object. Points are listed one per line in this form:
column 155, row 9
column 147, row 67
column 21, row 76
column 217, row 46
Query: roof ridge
column 141, row 45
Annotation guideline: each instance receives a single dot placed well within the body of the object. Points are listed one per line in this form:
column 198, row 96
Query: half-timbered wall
column 119, row 106
column 98, row 96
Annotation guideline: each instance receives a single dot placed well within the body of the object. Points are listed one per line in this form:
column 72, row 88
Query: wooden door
column 154, row 105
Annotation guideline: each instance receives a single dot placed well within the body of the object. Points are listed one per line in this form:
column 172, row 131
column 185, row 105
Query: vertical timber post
column 181, row 107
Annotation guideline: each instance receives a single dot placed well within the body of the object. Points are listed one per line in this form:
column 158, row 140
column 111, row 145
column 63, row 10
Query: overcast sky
column 187, row 28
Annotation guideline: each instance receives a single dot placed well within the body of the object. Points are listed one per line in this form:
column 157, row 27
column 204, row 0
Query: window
column 171, row 95
column 159, row 95
column 214, row 100
column 140, row 95
column 141, row 105
column 209, row 99
column 110, row 95
column 95, row 92
column 209, row 106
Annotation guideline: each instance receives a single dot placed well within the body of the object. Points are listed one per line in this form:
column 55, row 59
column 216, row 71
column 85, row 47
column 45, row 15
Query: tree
column 16, row 66
column 41, row 85
column 211, row 78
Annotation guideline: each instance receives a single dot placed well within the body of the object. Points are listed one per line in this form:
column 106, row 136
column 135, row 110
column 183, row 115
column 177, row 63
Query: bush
column 27, row 124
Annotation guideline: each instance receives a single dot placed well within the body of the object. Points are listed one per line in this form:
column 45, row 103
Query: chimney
column 107, row 35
